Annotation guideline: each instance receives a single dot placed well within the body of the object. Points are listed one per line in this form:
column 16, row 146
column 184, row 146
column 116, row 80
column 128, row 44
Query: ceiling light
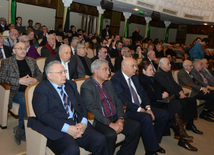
column 211, row 26
column 205, row 23
column 136, row 9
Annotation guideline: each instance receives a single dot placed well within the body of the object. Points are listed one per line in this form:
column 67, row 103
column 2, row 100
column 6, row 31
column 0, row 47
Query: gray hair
column 162, row 61
column 74, row 39
column 150, row 52
column 1, row 36
column 78, row 45
column 123, row 50
column 196, row 61
column 97, row 63
column 49, row 65
column 149, row 46
column 22, row 37
column 62, row 46
column 2, row 18
column 158, row 45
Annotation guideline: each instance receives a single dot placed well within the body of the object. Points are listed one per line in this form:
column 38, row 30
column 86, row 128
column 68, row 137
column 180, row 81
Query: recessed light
column 136, row 9
column 211, row 26
column 205, row 23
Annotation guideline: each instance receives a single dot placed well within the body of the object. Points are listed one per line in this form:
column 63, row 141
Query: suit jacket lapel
column 123, row 80
column 30, row 64
column 15, row 65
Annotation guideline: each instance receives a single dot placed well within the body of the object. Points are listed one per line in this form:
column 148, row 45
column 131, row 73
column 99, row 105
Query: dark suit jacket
column 1, row 29
column 153, row 63
column 46, row 53
column 104, row 33
column 123, row 92
column 50, row 112
column 7, row 51
column 135, row 36
column 167, row 81
column 72, row 66
column 198, row 78
column 91, row 97
column 114, row 53
column 9, row 73
column 80, row 67
column 109, row 62
column 185, row 79
column 117, row 64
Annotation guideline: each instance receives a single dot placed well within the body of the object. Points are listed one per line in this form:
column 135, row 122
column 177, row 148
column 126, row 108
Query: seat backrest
column 60, row 38
column 0, row 62
column 39, row 41
column 79, row 82
column 41, row 63
column 113, row 61
column 39, row 49
column 28, row 99
column 175, row 75
column 95, row 51
column 139, row 60
column 90, row 53
column 5, row 33
column 86, row 44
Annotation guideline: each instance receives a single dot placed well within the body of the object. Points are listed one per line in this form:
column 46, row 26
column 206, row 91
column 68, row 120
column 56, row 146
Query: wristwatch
column 122, row 118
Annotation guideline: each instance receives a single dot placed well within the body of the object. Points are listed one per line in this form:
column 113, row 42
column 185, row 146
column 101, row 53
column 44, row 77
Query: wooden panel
column 44, row 3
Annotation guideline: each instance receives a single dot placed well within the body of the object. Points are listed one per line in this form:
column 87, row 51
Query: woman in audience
column 32, row 40
column 138, row 52
column 73, row 29
column 159, row 99
column 93, row 43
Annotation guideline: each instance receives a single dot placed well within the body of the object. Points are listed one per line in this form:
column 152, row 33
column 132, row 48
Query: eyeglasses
column 19, row 48
column 26, row 41
column 105, row 52
column 60, row 73
column 106, row 69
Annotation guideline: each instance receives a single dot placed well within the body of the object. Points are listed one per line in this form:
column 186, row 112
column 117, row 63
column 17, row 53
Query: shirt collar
column 64, row 62
column 55, row 85
column 125, row 76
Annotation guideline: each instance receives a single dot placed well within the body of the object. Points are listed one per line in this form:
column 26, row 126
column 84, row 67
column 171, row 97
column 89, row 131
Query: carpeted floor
column 204, row 143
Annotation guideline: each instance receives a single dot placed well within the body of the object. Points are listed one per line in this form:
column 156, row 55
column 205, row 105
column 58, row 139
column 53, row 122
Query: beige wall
column 191, row 37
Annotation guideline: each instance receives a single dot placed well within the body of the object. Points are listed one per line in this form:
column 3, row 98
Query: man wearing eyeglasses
column 102, row 53
column 61, row 115
column 19, row 71
column 100, row 98
column 3, row 25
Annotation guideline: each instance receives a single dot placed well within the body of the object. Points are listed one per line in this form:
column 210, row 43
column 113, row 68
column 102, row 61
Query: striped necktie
column 204, row 79
column 1, row 54
column 67, row 103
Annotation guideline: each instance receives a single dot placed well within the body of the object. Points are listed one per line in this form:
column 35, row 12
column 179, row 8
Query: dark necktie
column 133, row 93
column 191, row 76
column 1, row 54
column 66, row 103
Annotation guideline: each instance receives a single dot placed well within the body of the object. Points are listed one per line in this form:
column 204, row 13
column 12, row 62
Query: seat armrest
column 5, row 86
column 90, row 116
column 187, row 87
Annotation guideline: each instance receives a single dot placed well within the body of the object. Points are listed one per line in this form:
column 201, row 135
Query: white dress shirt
column 65, row 64
column 2, row 50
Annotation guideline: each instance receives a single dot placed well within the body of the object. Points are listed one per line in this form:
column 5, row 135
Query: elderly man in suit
column 152, row 58
column 19, row 71
column 3, row 25
column 126, row 53
column 206, row 72
column 189, row 110
column 68, row 61
column 83, row 62
column 101, row 99
column 50, row 48
column 132, row 94
column 5, row 51
column 61, row 115
column 12, row 38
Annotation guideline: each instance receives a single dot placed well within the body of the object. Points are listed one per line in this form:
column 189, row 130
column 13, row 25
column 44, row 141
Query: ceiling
column 125, row 7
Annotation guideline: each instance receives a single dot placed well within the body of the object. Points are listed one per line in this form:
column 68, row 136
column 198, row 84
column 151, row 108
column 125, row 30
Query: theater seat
column 41, row 63
column 90, row 53
column 39, row 49
column 36, row 142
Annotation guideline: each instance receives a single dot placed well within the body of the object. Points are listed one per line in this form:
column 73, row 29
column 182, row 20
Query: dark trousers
column 189, row 109
column 151, row 135
column 209, row 105
column 131, row 130
column 91, row 141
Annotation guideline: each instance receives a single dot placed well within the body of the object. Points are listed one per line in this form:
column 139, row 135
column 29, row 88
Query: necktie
column 191, row 76
column 133, row 93
column 204, row 79
column 67, row 103
column 1, row 54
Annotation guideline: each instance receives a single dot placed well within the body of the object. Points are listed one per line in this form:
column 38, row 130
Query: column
column 147, row 19
column 126, row 15
column 67, row 3
column 166, row 34
column 101, row 11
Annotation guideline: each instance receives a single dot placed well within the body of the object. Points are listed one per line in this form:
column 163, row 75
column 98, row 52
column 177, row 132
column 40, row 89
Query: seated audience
column 31, row 37
column 59, row 31
column 173, row 62
column 207, row 72
column 93, row 44
column 61, row 115
column 139, row 53
column 106, row 31
column 3, row 25
column 151, row 58
column 74, row 42
column 37, row 30
column 179, row 51
column 157, row 94
column 50, row 47
column 43, row 35
column 83, row 62
column 11, row 26
column 149, row 48
column 81, row 39
column 100, row 98
column 126, row 42
column 207, row 54
column 5, row 51
column 134, row 97
column 12, row 38
column 189, row 106
column 187, row 48
column 126, row 53
column 31, row 50
column 19, row 71
column 73, row 29
column 102, row 54
column 68, row 61
column 65, row 40
column 116, row 51
column 19, row 27
column 186, row 78
column 30, row 22
column 211, row 66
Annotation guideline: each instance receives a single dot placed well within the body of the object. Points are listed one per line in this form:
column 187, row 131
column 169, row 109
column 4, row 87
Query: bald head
column 65, row 52
column 129, row 66
column 187, row 65
column 151, row 55
column 164, row 64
